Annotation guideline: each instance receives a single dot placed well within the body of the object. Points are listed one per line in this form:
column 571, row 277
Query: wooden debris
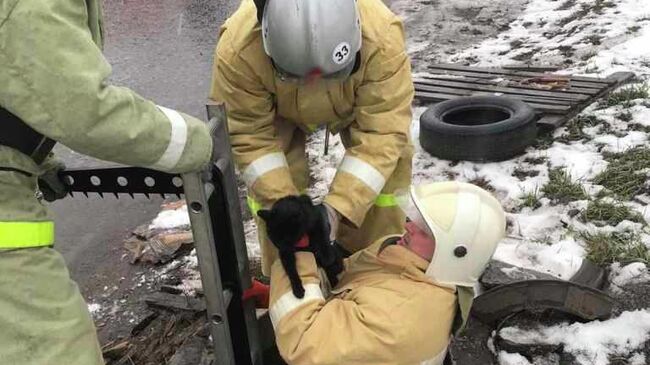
column 115, row 351
column 144, row 322
column 548, row 82
column 175, row 302
column 531, row 68
column 555, row 98
column 190, row 352
column 170, row 289
column 173, row 205
column 160, row 248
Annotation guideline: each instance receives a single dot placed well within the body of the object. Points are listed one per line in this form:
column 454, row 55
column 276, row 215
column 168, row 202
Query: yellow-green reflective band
column 26, row 234
column 382, row 201
column 253, row 205
column 386, row 200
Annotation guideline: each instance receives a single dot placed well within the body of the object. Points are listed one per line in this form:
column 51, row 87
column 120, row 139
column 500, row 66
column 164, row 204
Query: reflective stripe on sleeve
column 288, row 302
column 26, row 234
column 263, row 165
column 177, row 140
column 386, row 200
column 253, row 205
column 364, row 172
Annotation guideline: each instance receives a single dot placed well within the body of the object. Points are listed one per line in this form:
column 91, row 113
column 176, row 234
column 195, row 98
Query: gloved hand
column 260, row 292
column 49, row 182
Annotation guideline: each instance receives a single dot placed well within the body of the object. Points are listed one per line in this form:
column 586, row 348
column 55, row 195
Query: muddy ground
column 437, row 29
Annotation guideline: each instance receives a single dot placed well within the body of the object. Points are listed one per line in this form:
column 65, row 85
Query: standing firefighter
column 285, row 67
column 54, row 88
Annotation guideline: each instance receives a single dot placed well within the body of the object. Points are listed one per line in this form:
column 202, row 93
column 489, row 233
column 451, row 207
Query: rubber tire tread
column 486, row 142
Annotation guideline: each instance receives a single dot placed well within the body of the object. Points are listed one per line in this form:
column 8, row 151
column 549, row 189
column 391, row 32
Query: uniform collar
column 394, row 254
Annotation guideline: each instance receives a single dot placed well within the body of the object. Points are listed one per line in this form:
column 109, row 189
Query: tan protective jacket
column 384, row 311
column 374, row 103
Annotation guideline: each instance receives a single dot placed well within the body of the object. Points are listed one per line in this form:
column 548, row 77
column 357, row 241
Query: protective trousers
column 384, row 217
column 43, row 318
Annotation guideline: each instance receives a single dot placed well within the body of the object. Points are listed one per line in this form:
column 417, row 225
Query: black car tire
column 478, row 128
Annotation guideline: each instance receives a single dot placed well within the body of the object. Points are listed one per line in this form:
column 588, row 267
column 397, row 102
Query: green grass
column 483, row 183
column 625, row 116
column 574, row 128
column 606, row 248
column 594, row 39
column 535, row 160
column 561, row 189
column 624, row 175
column 597, row 7
column 626, row 95
column 544, row 141
column 530, row 199
column 633, row 29
column 588, row 55
column 638, row 127
column 522, row 173
column 610, row 213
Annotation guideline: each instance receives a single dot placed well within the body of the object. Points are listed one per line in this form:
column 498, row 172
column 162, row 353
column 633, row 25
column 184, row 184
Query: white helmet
column 307, row 37
column 467, row 223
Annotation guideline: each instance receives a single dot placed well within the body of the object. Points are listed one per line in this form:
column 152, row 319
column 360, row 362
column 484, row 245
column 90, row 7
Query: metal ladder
column 215, row 215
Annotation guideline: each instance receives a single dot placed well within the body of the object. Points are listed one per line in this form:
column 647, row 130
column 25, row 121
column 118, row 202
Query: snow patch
column 506, row 358
column 252, row 241
column 637, row 359
column 591, row 343
column 561, row 259
column 94, row 309
column 634, row 273
column 581, row 160
column 621, row 144
column 173, row 218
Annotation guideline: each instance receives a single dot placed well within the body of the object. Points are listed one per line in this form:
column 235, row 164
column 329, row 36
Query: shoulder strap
column 465, row 297
column 20, row 136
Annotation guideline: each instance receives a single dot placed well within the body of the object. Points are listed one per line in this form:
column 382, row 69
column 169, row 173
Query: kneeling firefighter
column 285, row 67
column 53, row 87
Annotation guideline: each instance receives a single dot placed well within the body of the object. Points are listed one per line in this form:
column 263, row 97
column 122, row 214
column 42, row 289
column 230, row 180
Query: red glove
column 258, row 291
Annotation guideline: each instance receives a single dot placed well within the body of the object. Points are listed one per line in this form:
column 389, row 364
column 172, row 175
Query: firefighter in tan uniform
column 283, row 68
column 396, row 301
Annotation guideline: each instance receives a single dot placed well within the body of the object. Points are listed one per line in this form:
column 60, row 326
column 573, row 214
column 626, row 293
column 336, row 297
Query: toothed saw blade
column 122, row 180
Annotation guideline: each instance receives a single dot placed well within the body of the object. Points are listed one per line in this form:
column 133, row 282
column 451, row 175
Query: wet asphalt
column 163, row 51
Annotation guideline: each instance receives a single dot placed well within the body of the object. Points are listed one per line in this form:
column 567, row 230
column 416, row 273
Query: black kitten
column 288, row 220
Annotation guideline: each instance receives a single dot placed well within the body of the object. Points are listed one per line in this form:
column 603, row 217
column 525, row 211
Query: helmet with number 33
column 304, row 38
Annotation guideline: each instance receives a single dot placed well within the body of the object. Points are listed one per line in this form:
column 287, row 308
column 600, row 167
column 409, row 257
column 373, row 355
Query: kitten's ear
column 265, row 214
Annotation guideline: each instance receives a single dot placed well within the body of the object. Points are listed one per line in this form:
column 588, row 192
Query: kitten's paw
column 299, row 292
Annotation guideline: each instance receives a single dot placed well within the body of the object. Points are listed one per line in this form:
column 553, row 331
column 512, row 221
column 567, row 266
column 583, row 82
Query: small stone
column 500, row 273
column 573, row 212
